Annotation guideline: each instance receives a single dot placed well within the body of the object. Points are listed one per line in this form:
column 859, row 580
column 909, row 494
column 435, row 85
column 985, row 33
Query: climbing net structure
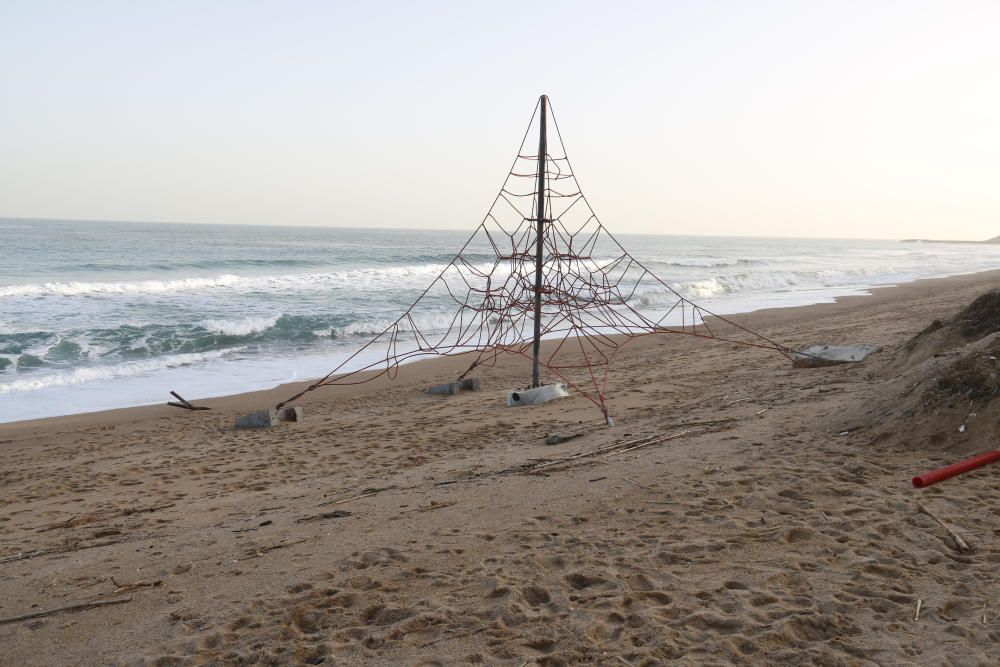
column 540, row 277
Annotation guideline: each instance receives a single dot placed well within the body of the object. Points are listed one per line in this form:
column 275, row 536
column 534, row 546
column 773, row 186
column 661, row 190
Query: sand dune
column 393, row 527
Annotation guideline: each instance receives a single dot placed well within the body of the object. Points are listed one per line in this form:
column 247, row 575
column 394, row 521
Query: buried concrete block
column 830, row 355
column 452, row 388
column 448, row 389
column 291, row 414
column 259, row 419
column 537, row 395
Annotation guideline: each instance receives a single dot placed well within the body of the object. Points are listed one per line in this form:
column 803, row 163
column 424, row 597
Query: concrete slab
column 448, row 389
column 815, row 356
column 259, row 419
column 291, row 414
column 470, row 384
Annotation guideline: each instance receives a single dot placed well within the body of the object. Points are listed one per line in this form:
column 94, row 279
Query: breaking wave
column 412, row 276
column 110, row 372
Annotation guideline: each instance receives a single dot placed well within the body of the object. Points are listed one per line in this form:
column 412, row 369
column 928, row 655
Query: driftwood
column 368, row 493
column 184, row 403
column 77, row 519
column 336, row 514
column 128, row 588
column 455, row 636
column 960, row 544
column 643, row 486
column 27, row 555
column 607, row 450
column 73, row 607
column 433, row 506
column 260, row 551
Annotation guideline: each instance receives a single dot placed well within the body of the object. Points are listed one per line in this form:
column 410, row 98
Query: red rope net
column 596, row 297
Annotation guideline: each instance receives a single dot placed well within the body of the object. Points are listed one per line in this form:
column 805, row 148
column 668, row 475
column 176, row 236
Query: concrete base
column 470, row 384
column 452, row 388
column 291, row 414
column 831, row 355
column 449, row 389
column 259, row 419
column 537, row 395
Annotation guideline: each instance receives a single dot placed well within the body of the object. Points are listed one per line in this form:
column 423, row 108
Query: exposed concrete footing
column 259, row 419
column 270, row 417
column 830, row 355
column 452, row 388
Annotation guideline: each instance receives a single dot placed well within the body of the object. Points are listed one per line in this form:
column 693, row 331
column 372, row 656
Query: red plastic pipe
column 935, row 476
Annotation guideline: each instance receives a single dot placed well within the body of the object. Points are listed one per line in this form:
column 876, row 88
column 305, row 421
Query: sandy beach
column 741, row 511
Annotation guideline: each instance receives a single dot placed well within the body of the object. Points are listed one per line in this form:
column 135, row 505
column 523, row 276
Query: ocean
column 99, row 315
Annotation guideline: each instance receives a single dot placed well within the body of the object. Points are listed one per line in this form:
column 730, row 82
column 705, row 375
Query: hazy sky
column 849, row 119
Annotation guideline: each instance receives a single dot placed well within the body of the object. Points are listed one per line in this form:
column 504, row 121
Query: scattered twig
column 760, row 412
column 770, row 526
column 956, row 538
column 458, row 636
column 128, row 511
column 738, row 400
column 916, row 615
column 643, row 486
column 73, row 607
column 586, row 454
column 78, row 519
column 60, row 550
column 597, row 479
column 257, row 553
column 128, row 588
column 653, row 442
column 984, row 613
column 58, row 524
column 466, row 587
column 365, row 494
column 433, row 506
column 336, row 514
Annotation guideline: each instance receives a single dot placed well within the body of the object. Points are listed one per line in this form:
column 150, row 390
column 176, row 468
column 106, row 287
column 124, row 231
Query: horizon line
column 8, row 218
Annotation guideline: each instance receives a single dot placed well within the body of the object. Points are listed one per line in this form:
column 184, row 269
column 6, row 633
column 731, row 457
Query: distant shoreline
column 993, row 241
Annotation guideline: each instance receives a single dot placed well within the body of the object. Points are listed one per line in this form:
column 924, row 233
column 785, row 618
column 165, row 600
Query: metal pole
column 539, row 240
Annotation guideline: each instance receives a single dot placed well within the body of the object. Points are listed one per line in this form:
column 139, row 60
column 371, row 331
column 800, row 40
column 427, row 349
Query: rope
column 592, row 291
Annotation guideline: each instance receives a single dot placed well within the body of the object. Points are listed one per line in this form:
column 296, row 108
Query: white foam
column 359, row 279
column 141, row 287
column 35, row 382
column 244, row 327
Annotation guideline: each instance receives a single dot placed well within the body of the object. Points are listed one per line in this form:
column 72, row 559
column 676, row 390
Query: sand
column 393, row 527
